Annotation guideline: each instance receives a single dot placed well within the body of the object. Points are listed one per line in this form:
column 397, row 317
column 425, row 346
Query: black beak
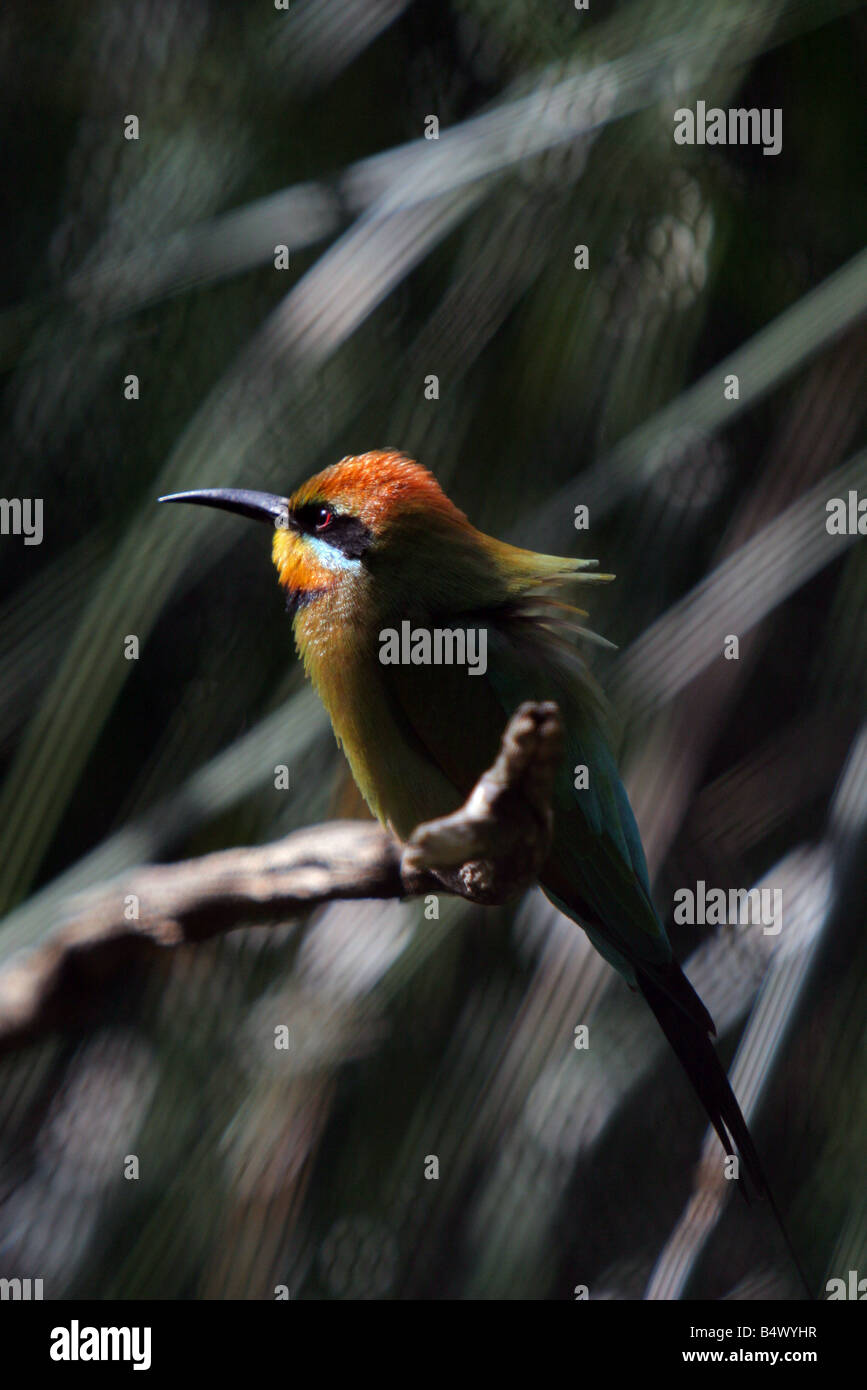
column 261, row 506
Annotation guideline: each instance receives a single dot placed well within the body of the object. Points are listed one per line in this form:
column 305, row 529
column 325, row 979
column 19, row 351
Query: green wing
column 596, row 872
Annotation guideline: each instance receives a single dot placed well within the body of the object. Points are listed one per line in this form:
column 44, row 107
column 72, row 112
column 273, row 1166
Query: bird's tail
column 687, row 1027
column 688, row 1034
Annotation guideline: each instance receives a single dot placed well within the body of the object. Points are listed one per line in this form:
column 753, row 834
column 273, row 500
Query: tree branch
column 489, row 850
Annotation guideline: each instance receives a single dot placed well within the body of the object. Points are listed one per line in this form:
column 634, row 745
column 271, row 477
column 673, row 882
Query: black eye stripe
column 345, row 533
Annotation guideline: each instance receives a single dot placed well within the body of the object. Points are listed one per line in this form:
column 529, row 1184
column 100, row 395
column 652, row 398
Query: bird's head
column 375, row 527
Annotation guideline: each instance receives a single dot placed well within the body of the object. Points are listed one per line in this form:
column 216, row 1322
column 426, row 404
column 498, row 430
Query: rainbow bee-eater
column 374, row 543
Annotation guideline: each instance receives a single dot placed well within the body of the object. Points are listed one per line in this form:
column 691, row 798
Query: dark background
column 556, row 387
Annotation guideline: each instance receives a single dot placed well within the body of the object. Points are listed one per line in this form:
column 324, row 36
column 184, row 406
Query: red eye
column 324, row 518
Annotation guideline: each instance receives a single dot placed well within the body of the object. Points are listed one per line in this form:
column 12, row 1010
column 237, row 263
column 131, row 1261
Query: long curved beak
column 261, row 506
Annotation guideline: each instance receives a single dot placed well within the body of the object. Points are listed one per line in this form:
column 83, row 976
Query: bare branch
column 489, row 850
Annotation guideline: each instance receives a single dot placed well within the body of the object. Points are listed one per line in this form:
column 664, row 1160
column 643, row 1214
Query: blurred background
column 409, row 258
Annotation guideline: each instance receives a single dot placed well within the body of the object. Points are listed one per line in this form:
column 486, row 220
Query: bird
column 374, row 542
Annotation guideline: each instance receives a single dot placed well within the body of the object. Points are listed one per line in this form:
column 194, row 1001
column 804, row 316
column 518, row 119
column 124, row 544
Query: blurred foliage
column 409, row 257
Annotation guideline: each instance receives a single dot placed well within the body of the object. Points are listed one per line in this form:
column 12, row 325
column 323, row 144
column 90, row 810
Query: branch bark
column 488, row 851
